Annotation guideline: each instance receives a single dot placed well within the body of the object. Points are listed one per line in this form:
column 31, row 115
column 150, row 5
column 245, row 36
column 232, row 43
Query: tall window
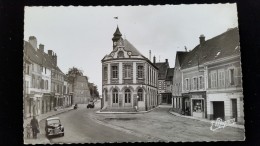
column 187, row 84
column 140, row 94
column 201, row 82
column 115, row 96
column 27, row 69
column 232, row 76
column 127, row 71
column 32, row 67
column 33, row 81
column 46, row 85
column 42, row 84
column 140, row 71
column 221, row 81
column 105, row 73
column 213, row 79
column 114, row 72
column 127, row 96
column 195, row 83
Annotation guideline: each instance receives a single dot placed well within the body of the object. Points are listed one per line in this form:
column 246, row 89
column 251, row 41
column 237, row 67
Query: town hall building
column 129, row 80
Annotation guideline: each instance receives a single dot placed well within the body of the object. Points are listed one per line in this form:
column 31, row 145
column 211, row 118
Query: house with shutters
column 129, row 79
column 211, row 78
column 164, row 93
column 37, row 79
column 177, row 103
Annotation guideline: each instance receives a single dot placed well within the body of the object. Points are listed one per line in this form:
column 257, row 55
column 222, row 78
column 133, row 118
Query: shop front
column 198, row 105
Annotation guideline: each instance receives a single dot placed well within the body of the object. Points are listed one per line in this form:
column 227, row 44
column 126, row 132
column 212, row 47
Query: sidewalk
column 41, row 139
column 204, row 120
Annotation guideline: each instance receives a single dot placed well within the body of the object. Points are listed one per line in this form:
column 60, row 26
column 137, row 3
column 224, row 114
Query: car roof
column 54, row 118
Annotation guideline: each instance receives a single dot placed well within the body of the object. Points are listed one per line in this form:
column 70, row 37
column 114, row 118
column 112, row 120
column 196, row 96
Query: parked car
column 91, row 104
column 53, row 127
column 75, row 106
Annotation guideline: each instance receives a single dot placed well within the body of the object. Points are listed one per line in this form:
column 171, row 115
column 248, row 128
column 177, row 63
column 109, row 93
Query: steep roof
column 181, row 55
column 162, row 66
column 223, row 45
column 130, row 47
column 170, row 74
column 39, row 57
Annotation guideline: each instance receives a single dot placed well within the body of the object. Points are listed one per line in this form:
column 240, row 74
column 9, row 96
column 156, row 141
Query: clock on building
column 129, row 53
column 114, row 43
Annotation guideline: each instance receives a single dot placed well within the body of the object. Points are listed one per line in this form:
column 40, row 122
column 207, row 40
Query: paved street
column 161, row 124
column 80, row 128
column 84, row 126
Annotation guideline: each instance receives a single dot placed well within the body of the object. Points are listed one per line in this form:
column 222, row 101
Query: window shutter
column 227, row 78
column 236, row 76
column 192, row 83
column 202, row 82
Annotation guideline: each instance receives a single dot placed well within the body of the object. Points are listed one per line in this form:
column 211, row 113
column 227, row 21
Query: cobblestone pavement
column 161, row 124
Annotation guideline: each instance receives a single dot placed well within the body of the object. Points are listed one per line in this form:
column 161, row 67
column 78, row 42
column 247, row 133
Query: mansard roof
column 130, row 47
column 221, row 46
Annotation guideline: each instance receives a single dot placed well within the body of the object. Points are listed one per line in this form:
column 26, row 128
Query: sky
column 82, row 36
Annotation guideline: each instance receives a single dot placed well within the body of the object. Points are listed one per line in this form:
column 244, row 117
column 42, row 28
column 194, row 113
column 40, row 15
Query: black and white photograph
column 114, row 74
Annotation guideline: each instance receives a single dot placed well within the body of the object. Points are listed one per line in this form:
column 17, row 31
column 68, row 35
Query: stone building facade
column 129, row 80
column 212, row 78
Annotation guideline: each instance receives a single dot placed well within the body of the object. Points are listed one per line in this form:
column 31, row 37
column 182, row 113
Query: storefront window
column 198, row 105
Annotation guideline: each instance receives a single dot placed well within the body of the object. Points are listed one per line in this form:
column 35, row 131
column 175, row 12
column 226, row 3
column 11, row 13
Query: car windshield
column 53, row 122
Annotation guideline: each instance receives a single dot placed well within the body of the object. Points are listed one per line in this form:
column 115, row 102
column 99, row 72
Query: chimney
column 166, row 60
column 149, row 54
column 50, row 52
column 33, row 42
column 41, row 47
column 154, row 59
column 54, row 57
column 202, row 39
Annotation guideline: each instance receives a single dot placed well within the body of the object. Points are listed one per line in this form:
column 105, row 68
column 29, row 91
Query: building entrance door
column 218, row 110
column 234, row 108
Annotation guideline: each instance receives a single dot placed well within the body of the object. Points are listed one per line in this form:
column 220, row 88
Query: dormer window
column 120, row 54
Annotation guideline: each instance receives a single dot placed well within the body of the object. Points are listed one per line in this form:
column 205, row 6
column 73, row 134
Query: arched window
column 120, row 54
column 127, row 96
column 115, row 96
column 140, row 94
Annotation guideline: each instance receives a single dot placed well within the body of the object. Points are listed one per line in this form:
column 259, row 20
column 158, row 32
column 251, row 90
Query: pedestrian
column 35, row 127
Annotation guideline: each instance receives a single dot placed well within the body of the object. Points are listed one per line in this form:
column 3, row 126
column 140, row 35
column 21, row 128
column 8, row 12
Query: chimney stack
column 41, row 47
column 154, row 59
column 149, row 54
column 33, row 42
column 202, row 39
column 50, row 52
column 166, row 60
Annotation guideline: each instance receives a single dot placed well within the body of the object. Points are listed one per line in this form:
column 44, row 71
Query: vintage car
column 53, row 127
column 91, row 104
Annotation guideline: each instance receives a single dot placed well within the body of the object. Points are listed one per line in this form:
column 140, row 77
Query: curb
column 139, row 112
column 204, row 120
column 56, row 114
